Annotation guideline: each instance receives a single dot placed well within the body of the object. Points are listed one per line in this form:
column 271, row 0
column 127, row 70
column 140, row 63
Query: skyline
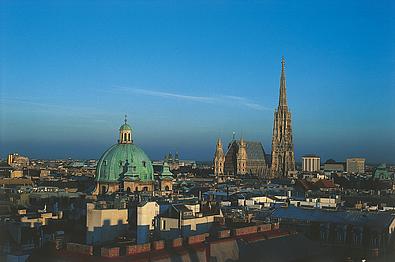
column 70, row 74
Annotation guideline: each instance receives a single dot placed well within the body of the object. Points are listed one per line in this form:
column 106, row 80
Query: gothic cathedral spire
column 283, row 159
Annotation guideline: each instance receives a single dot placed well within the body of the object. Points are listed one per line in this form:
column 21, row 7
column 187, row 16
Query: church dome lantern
column 125, row 133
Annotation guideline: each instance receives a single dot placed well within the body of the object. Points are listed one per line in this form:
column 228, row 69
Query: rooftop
column 376, row 220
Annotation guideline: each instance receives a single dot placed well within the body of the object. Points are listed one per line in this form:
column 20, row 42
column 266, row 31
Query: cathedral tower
column 219, row 159
column 242, row 158
column 283, row 159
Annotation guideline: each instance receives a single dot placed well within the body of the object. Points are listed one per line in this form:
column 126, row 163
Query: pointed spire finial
column 126, row 118
column 283, row 92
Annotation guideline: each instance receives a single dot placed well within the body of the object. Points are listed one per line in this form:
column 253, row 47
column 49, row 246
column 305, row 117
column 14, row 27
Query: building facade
column 104, row 223
column 16, row 160
column 355, row 165
column 185, row 220
column 242, row 158
column 166, row 179
column 283, row 159
column 311, row 163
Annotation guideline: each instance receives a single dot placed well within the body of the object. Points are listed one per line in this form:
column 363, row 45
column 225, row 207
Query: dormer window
column 144, row 164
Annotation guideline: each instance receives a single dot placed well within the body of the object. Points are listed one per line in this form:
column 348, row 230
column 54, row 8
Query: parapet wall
column 212, row 245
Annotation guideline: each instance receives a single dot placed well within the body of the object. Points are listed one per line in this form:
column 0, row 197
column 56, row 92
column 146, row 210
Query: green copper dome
column 124, row 162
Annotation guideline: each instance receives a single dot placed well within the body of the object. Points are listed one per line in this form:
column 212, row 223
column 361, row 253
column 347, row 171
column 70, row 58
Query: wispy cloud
column 227, row 100
column 203, row 99
column 71, row 110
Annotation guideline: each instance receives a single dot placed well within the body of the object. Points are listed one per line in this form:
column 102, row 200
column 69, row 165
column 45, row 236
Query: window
column 144, row 163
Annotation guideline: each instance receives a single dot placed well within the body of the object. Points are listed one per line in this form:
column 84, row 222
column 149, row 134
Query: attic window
column 105, row 162
column 144, row 163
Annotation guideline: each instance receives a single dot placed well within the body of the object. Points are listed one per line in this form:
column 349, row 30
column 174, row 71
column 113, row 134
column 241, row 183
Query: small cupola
column 125, row 133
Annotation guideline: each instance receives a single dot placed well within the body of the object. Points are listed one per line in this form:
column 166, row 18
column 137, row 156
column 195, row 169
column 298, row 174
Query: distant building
column 241, row 158
column 16, row 160
column 5, row 170
column 176, row 164
column 166, row 179
column 283, row 159
column 311, row 163
column 355, row 165
column 332, row 166
column 381, row 173
column 173, row 161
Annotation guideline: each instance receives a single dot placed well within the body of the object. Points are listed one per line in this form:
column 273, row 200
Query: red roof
column 324, row 183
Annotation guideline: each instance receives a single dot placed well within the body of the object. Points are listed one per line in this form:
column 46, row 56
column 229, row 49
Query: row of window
column 121, row 163
column 127, row 137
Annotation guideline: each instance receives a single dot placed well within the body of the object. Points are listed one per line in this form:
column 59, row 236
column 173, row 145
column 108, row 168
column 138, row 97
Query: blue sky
column 187, row 72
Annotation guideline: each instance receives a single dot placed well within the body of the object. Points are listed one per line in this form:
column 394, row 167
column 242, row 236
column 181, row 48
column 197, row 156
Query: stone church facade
column 241, row 158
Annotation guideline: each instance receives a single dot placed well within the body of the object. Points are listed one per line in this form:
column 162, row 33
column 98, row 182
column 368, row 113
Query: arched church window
column 136, row 189
column 167, row 188
column 129, row 137
column 128, row 189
